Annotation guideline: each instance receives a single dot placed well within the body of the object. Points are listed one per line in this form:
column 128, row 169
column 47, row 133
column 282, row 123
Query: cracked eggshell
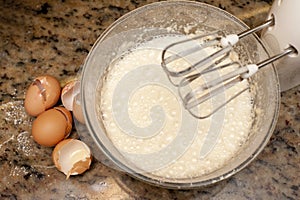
column 72, row 157
column 52, row 126
column 43, row 93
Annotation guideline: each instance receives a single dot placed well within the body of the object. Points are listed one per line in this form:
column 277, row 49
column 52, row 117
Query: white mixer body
column 285, row 33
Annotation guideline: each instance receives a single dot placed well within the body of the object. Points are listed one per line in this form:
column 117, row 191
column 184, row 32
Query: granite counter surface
column 54, row 37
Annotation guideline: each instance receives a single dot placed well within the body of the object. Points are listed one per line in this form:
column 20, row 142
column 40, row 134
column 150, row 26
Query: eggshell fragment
column 52, row 126
column 72, row 157
column 43, row 93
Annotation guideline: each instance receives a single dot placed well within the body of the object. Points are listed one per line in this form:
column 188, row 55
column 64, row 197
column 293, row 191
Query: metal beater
column 222, row 45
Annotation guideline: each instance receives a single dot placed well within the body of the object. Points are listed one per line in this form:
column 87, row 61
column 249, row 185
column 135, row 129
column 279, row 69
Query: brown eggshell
column 67, row 150
column 49, row 128
column 42, row 94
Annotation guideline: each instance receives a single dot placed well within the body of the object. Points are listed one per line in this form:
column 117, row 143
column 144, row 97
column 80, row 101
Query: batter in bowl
column 146, row 121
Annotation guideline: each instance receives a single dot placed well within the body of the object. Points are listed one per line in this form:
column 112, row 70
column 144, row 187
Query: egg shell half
column 72, row 157
column 49, row 128
column 42, row 94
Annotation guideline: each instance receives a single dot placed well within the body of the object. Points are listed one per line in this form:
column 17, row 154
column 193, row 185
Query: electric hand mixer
column 279, row 29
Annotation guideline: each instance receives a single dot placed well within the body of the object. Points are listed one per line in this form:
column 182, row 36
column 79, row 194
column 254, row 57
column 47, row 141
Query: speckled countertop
column 54, row 37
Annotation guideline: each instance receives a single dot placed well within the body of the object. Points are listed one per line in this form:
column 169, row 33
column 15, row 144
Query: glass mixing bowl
column 183, row 18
